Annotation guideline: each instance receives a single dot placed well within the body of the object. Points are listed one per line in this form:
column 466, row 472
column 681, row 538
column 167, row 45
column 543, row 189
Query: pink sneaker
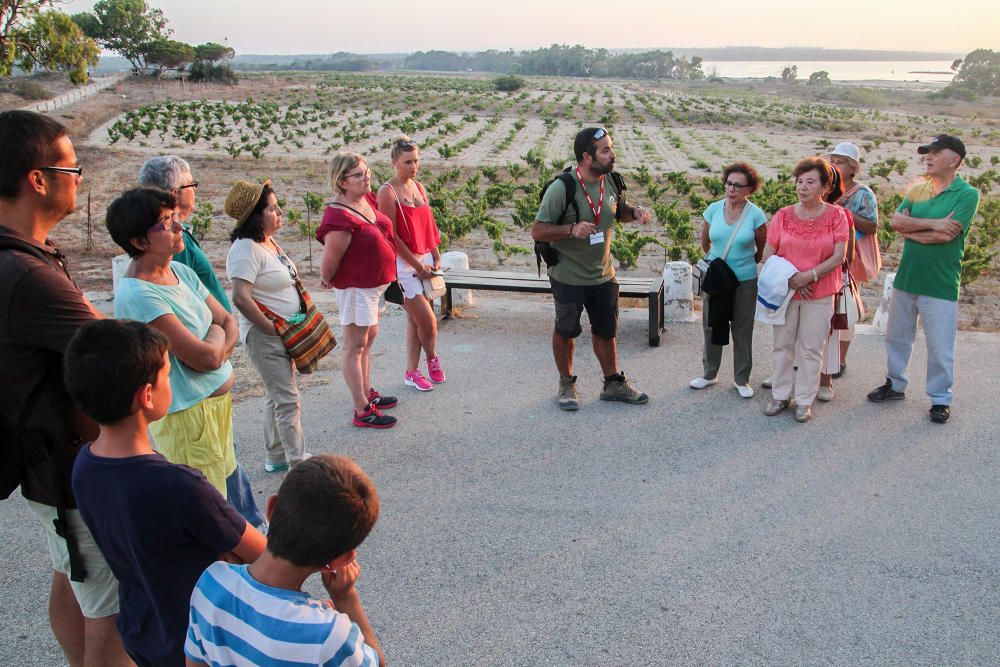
column 416, row 379
column 434, row 371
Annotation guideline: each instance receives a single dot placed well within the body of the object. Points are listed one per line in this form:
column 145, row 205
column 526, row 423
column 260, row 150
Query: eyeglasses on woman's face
column 736, row 186
column 359, row 174
column 166, row 223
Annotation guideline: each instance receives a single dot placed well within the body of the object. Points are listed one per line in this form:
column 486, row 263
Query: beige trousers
column 283, row 436
column 799, row 342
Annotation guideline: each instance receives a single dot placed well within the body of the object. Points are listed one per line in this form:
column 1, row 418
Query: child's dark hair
column 325, row 507
column 134, row 213
column 107, row 362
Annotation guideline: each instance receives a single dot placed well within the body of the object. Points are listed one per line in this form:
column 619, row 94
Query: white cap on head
column 848, row 150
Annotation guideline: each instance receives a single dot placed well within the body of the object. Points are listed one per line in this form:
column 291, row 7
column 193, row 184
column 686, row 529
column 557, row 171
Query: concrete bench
column 501, row 281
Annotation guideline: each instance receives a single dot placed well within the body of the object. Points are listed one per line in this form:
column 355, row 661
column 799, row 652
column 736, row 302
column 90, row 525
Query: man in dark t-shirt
column 40, row 310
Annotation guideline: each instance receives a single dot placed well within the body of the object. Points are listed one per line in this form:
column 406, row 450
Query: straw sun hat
column 243, row 198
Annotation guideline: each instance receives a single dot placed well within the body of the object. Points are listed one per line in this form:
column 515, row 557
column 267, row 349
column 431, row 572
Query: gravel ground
column 692, row 530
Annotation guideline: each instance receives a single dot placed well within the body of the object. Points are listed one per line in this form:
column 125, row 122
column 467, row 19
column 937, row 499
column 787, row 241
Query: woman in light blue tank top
column 742, row 222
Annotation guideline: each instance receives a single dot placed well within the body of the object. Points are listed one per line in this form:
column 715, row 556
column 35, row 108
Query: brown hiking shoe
column 568, row 398
column 617, row 388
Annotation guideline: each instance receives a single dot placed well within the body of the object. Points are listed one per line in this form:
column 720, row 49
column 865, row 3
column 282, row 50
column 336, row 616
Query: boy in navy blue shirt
column 159, row 525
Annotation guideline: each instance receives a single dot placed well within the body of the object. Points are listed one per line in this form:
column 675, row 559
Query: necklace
column 801, row 212
column 356, row 211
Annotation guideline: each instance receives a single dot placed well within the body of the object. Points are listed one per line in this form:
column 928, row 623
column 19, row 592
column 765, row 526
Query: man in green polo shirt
column 934, row 219
column 584, row 278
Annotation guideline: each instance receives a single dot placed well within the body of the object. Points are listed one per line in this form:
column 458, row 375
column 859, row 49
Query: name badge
column 597, row 239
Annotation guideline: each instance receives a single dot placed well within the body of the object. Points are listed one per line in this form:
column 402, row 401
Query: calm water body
column 840, row 70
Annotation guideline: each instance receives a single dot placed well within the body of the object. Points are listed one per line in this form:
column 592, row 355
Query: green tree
column 15, row 15
column 126, row 27
column 53, row 42
column 979, row 73
column 508, row 83
column 164, row 54
column 820, row 78
column 213, row 53
column 790, row 73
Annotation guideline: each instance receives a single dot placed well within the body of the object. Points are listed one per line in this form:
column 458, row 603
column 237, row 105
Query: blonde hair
column 402, row 144
column 342, row 163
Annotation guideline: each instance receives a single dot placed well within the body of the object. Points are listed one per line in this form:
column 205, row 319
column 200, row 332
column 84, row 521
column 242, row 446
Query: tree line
column 34, row 35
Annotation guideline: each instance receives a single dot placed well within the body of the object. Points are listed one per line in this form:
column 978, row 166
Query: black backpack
column 544, row 251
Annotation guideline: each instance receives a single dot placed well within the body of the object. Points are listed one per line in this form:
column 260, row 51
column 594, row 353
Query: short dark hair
column 133, row 213
column 584, row 142
column 253, row 228
column 325, row 507
column 753, row 178
column 27, row 138
column 808, row 164
column 107, row 362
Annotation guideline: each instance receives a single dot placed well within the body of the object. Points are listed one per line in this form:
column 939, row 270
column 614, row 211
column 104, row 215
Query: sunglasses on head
column 406, row 142
column 599, row 134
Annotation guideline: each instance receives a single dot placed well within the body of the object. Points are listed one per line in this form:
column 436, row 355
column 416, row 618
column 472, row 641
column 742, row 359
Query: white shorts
column 359, row 305
column 412, row 286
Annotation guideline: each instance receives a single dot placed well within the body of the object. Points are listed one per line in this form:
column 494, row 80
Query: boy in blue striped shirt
column 257, row 614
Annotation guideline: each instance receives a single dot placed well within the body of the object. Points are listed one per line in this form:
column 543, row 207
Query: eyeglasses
column 166, row 223
column 736, row 186
column 359, row 174
column 192, row 184
column 288, row 265
column 76, row 171
column 406, row 142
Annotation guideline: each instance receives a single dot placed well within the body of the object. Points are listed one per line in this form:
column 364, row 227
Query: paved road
column 693, row 530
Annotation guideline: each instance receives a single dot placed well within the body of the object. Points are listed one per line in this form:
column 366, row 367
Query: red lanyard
column 590, row 202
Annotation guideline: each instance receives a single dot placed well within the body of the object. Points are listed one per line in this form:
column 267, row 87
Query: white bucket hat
column 848, row 150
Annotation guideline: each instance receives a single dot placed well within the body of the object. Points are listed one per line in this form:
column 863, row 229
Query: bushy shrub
column 29, row 90
column 206, row 71
column 508, row 83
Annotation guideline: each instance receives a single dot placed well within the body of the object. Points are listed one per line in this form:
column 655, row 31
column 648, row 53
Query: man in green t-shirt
column 934, row 219
column 584, row 278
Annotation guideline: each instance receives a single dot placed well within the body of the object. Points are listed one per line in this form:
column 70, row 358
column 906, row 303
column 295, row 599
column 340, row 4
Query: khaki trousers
column 283, row 438
column 799, row 342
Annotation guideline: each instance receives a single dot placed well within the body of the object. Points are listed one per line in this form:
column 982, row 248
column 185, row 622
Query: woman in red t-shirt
column 359, row 262
column 812, row 235
column 404, row 201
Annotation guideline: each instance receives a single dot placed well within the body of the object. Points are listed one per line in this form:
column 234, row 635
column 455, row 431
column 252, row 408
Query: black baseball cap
column 586, row 137
column 944, row 141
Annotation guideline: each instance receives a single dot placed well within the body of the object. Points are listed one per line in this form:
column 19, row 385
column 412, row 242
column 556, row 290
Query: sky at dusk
column 384, row 26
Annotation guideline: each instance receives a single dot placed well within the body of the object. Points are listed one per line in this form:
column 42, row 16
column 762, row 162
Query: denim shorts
column 600, row 302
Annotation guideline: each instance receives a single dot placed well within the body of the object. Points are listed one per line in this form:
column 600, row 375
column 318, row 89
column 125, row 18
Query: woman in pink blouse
column 812, row 235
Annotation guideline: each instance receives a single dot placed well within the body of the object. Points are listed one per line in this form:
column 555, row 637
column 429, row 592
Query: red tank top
column 416, row 226
column 370, row 259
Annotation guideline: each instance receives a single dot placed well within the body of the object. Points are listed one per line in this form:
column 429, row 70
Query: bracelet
column 815, row 277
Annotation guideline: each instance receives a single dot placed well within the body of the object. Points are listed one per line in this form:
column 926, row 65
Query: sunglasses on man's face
column 76, row 171
column 192, row 184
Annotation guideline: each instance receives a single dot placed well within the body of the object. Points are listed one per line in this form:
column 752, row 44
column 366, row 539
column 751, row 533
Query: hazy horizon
column 254, row 27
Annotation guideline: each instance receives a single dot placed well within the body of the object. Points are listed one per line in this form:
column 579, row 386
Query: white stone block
column 119, row 264
column 881, row 319
column 456, row 260
column 678, row 299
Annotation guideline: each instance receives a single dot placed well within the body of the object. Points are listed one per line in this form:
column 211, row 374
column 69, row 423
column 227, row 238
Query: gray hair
column 163, row 172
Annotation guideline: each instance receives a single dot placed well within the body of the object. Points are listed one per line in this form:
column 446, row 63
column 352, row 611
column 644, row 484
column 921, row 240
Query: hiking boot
column 803, row 413
column 382, row 402
column 701, row 382
column 824, row 393
column 940, row 413
column 885, row 393
column 775, row 406
column 372, row 418
column 568, row 398
column 434, row 371
column 617, row 388
column 416, row 379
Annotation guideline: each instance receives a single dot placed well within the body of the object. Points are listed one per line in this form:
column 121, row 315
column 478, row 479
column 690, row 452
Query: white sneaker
column 824, row 394
column 701, row 383
column 766, row 384
column 746, row 391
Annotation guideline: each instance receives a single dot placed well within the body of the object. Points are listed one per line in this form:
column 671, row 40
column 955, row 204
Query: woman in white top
column 263, row 277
